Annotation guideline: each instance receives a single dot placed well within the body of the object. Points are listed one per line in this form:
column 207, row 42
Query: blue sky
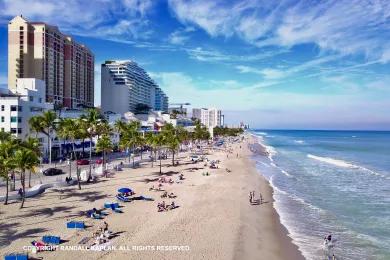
column 273, row 64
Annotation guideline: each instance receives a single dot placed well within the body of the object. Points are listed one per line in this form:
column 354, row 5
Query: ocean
column 331, row 182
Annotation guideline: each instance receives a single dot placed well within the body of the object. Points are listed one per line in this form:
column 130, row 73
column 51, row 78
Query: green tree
column 130, row 137
column 45, row 124
column 159, row 142
column 93, row 119
column 105, row 146
column 33, row 145
column 172, row 139
column 25, row 159
column 7, row 162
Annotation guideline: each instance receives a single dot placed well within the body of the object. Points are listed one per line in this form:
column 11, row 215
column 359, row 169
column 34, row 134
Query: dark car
column 52, row 171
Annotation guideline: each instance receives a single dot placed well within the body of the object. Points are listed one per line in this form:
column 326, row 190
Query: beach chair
column 115, row 208
column 122, row 198
column 16, row 257
column 51, row 240
column 75, row 224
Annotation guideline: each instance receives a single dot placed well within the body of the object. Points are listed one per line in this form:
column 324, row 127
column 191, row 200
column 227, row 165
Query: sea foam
column 344, row 164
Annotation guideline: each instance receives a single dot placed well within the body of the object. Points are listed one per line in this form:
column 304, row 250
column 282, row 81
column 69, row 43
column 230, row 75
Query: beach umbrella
column 125, row 190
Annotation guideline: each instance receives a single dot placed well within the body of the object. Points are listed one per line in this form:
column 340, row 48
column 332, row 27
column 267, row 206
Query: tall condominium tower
column 125, row 86
column 38, row 50
column 209, row 117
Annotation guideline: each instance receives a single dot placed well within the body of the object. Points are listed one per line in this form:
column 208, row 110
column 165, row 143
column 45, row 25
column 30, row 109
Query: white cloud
column 344, row 26
column 278, row 109
column 119, row 20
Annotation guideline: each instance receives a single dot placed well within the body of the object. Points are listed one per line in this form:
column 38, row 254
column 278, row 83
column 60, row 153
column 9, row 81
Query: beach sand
column 214, row 219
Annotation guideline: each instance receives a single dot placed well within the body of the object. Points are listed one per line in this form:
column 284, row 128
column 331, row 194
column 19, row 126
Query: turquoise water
column 334, row 182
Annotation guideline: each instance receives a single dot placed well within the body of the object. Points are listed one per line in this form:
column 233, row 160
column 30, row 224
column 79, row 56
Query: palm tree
column 159, row 142
column 33, row 145
column 171, row 139
column 25, row 159
column 130, row 137
column 67, row 130
column 150, row 141
column 77, row 131
column 105, row 146
column 7, row 163
column 92, row 120
column 45, row 124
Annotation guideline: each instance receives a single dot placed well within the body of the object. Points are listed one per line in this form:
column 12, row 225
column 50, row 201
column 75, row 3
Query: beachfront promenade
column 213, row 218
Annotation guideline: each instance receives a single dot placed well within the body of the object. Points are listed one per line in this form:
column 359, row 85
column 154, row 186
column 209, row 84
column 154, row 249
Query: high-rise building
column 209, row 117
column 38, row 50
column 125, row 85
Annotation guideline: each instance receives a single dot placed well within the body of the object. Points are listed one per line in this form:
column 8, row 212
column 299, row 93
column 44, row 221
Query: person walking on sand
column 261, row 199
column 250, row 197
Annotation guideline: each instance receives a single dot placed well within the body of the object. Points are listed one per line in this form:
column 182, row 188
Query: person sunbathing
column 171, row 195
column 152, row 188
column 164, row 195
column 40, row 246
column 171, row 181
column 172, row 206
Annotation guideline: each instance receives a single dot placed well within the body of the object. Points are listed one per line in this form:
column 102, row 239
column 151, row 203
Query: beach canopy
column 125, row 190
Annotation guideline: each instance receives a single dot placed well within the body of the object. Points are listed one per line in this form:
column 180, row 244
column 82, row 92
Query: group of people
column 165, row 180
column 164, row 207
column 102, row 235
column 68, row 179
column 254, row 201
column 170, row 195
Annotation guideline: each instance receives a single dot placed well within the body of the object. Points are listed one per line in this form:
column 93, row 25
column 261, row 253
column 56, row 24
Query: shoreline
column 279, row 245
column 214, row 219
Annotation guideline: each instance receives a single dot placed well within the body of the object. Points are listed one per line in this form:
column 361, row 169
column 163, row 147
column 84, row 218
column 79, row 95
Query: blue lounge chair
column 51, row 240
column 16, row 257
column 122, row 198
column 75, row 224
column 116, row 209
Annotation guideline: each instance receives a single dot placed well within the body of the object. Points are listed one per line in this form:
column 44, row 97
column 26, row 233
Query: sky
column 285, row 64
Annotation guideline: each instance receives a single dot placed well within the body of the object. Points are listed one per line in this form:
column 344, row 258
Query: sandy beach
column 214, row 219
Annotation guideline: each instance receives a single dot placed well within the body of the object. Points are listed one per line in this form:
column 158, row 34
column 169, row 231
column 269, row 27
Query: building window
column 14, row 108
column 2, row 129
column 20, row 108
column 31, row 98
column 40, row 100
column 14, row 119
column 2, row 107
column 19, row 130
column 13, row 130
column 2, row 119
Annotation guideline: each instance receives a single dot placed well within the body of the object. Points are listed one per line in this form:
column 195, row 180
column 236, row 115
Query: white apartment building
column 126, row 85
column 209, row 117
column 17, row 107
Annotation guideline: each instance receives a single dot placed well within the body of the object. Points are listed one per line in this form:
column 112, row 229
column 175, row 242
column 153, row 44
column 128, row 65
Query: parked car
column 82, row 162
column 99, row 161
column 52, row 171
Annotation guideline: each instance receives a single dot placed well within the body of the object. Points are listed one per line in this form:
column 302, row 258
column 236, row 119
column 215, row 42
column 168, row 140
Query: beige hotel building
column 38, row 50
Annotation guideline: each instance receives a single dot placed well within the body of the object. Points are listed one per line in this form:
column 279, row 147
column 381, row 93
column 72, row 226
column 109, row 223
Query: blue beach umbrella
column 125, row 190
